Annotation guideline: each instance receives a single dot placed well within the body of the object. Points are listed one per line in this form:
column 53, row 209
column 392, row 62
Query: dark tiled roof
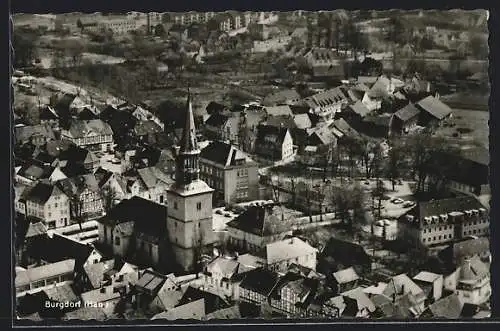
column 434, row 107
column 24, row 133
column 41, row 192
column 269, row 134
column 217, row 120
column 360, row 109
column 407, row 112
column 222, row 153
column 467, row 248
column 260, row 220
column 449, row 307
column 478, row 155
column 77, row 185
column 133, row 210
column 60, row 248
column 379, row 120
column 280, row 97
column 212, row 301
column 260, row 280
column 147, row 127
column 48, row 113
column 336, row 248
column 445, row 206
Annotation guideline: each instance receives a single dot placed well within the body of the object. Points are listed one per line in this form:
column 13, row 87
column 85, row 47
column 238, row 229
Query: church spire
column 187, row 168
column 189, row 143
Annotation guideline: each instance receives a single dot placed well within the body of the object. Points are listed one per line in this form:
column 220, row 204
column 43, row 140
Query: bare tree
column 108, row 195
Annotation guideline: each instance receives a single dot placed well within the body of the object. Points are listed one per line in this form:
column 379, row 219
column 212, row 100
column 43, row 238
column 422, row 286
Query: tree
column 108, row 198
column 379, row 192
column 348, row 204
column 23, row 43
column 76, row 206
column 478, row 47
column 396, row 162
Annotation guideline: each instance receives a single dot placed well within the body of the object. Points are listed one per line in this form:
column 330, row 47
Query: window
column 38, row 284
column 50, row 214
column 52, row 225
column 175, row 224
column 198, row 205
column 117, row 241
column 161, row 198
column 55, row 205
column 175, row 204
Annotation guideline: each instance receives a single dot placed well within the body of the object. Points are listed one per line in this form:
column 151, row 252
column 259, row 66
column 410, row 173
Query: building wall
column 93, row 142
column 55, row 213
column 121, row 243
column 148, row 250
column 308, row 261
column 287, row 147
column 475, row 294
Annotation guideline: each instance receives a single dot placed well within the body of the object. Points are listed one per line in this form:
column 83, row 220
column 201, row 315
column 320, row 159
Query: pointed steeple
column 187, row 167
column 189, row 143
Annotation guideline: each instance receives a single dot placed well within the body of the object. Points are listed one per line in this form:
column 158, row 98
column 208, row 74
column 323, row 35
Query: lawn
column 474, row 120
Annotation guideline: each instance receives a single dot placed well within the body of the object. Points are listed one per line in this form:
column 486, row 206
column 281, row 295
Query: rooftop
column 287, row 249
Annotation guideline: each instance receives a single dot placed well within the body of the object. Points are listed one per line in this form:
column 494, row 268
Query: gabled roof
column 362, row 300
column 445, row 206
column 260, row 280
column 344, row 127
column 45, row 271
column 426, row 276
column 223, row 266
column 133, row 210
column 324, row 135
column 58, row 248
column 36, row 229
column 407, row 112
column 190, row 310
column 217, row 120
column 153, row 176
column 261, row 220
column 267, row 134
column 279, row 110
column 48, row 113
column 147, row 127
column 401, row 285
column 223, row 154
column 287, row 249
column 96, row 271
column 81, row 128
column 77, row 185
column 434, row 107
column 62, row 293
column 232, row 312
column 41, row 192
column 359, row 108
column 24, row 133
column 473, row 269
column 33, row 171
column 212, row 301
column 449, row 307
column 466, row 248
column 346, row 276
column 328, row 97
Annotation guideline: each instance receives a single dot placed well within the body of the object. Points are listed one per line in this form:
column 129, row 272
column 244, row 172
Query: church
column 154, row 234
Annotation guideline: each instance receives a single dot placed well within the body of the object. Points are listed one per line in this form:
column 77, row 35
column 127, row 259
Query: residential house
column 405, row 119
column 105, row 273
column 322, row 136
column 48, row 203
column 230, row 313
column 38, row 135
column 149, row 183
column 298, row 125
column 433, row 111
column 231, row 172
column 63, row 295
column 326, row 104
column 345, row 280
column 450, row 307
column 275, row 144
column 287, row 97
column 257, row 286
column 84, row 195
column 281, row 254
column 223, row 276
column 194, row 310
column 121, row 121
column 442, row 221
column 471, row 281
column 31, row 173
column 281, row 110
column 51, row 249
column 456, row 253
column 357, row 304
column 65, row 152
column 212, row 301
column 258, row 226
column 127, row 232
column 147, row 131
column 224, row 127
column 48, row 115
column 28, row 235
column 357, row 111
column 37, row 278
column 402, row 285
column 151, row 288
column 93, row 134
column 375, row 125
column 325, row 63
column 471, row 161
column 431, row 283
column 107, row 180
column 292, row 294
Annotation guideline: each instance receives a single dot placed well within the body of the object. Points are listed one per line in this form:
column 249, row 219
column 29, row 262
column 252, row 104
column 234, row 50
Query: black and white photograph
column 242, row 165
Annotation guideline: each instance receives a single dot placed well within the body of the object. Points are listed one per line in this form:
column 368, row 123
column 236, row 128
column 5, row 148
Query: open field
column 474, row 120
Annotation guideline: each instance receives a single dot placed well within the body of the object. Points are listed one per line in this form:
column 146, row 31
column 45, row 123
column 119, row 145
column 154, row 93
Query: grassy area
column 473, row 124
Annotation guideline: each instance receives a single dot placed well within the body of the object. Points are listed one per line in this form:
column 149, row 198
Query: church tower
column 189, row 219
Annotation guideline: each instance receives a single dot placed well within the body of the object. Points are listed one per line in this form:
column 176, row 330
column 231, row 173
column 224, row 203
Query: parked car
column 227, row 215
column 218, row 212
column 397, row 201
column 408, row 204
column 366, row 183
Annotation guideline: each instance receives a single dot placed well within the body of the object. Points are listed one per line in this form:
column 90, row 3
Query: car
column 115, row 161
column 386, row 197
column 408, row 204
column 397, row 201
column 400, row 182
column 366, row 183
column 227, row 215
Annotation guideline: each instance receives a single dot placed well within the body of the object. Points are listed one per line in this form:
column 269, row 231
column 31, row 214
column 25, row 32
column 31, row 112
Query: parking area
column 108, row 161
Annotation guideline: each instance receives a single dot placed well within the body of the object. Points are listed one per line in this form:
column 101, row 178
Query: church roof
column 188, row 142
